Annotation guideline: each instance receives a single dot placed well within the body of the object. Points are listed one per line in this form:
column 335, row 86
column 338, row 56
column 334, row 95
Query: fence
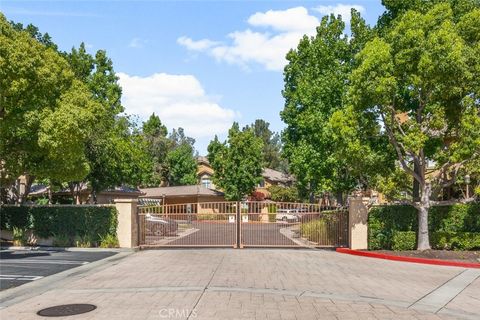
column 242, row 224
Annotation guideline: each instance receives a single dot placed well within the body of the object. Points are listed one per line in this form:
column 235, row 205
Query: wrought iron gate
column 242, row 224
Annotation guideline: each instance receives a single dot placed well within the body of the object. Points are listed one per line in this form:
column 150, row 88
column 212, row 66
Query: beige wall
column 358, row 224
column 127, row 229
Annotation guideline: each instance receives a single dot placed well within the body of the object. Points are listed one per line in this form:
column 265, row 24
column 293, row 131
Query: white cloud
column 340, row 9
column 290, row 20
column 281, row 31
column 179, row 101
column 198, row 45
column 137, row 43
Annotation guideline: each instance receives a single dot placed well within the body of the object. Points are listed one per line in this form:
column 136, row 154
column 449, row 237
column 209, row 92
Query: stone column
column 358, row 224
column 127, row 229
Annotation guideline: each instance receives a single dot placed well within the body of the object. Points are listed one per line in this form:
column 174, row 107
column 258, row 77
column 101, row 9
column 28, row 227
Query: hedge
column 406, row 240
column 460, row 221
column 80, row 225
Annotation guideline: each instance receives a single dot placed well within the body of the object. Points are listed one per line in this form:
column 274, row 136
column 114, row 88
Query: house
column 84, row 194
column 183, row 194
column 270, row 177
column 204, row 173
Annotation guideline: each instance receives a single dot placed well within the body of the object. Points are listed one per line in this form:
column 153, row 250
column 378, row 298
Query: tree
column 173, row 156
column 116, row 152
column 316, row 82
column 182, row 166
column 271, row 152
column 420, row 79
column 283, row 194
column 45, row 113
column 237, row 162
column 155, row 135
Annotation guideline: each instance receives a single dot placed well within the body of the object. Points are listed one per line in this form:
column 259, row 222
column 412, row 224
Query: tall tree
column 46, row 114
column 420, row 79
column 272, row 147
column 237, row 162
column 155, row 134
column 316, row 82
column 173, row 156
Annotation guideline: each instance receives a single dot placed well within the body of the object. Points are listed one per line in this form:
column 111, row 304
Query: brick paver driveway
column 217, row 234
column 261, row 284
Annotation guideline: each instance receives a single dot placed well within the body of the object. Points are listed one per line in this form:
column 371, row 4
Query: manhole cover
column 66, row 310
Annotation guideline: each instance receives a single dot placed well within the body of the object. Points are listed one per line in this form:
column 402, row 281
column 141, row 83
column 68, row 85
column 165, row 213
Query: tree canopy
column 420, row 80
column 237, row 162
column 316, row 85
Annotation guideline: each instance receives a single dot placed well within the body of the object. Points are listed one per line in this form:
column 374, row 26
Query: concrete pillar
column 127, row 229
column 358, row 224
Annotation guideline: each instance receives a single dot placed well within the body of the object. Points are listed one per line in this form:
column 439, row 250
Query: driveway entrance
column 242, row 224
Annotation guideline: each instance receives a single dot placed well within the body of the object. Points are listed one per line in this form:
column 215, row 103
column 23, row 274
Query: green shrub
column 455, row 240
column 272, row 208
column 67, row 224
column 320, row 231
column 109, row 241
column 19, row 236
column 444, row 222
column 404, row 240
column 384, row 221
column 212, row 216
column 455, row 218
column 62, row 240
column 272, row 217
column 15, row 217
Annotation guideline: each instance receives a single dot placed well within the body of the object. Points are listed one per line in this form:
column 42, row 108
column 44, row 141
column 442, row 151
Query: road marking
column 440, row 297
column 31, row 261
column 19, row 277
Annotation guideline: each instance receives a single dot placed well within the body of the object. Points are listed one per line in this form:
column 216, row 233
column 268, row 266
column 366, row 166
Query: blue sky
column 197, row 64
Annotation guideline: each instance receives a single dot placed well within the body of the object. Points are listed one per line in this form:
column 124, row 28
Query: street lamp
column 467, row 182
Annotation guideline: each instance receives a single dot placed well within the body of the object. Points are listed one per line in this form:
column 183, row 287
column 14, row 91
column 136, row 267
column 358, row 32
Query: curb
column 408, row 259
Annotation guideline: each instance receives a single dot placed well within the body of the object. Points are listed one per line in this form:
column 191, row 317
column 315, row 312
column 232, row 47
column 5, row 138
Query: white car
column 287, row 215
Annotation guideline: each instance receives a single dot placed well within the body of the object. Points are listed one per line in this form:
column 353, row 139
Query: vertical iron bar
column 238, row 225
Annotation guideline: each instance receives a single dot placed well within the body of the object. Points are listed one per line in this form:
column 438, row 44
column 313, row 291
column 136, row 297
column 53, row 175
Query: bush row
column 68, row 225
column 451, row 227
column 406, row 240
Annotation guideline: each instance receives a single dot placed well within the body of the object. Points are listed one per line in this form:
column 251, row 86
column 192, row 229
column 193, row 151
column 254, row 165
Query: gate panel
column 262, row 224
column 188, row 225
column 293, row 225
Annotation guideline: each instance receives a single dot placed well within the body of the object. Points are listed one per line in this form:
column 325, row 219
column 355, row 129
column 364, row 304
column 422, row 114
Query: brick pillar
column 127, row 229
column 358, row 224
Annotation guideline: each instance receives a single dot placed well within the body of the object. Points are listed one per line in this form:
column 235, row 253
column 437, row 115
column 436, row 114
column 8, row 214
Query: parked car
column 160, row 226
column 287, row 215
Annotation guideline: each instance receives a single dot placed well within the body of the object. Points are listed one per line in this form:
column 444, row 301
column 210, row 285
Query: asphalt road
column 21, row 266
column 224, row 233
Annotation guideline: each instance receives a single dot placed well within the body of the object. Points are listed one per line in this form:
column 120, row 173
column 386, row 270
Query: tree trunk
column 416, row 184
column 423, row 207
column 339, row 196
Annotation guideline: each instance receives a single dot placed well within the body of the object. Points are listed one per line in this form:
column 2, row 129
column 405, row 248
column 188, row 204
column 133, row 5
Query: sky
column 199, row 65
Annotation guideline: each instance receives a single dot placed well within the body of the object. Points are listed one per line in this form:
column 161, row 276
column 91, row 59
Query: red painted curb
column 409, row 259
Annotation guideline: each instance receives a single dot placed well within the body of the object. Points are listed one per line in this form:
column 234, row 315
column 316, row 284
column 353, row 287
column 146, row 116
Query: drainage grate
column 66, row 310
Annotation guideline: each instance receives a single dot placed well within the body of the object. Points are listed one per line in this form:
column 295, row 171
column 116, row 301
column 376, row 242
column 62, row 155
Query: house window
column 206, row 182
column 261, row 184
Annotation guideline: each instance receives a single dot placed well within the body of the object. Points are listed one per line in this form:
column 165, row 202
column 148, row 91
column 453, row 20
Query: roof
column 202, row 159
column 278, row 176
column 180, row 191
column 40, row 189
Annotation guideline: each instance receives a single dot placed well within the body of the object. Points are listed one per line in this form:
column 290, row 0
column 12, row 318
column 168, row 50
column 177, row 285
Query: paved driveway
column 260, row 284
column 18, row 267
column 224, row 233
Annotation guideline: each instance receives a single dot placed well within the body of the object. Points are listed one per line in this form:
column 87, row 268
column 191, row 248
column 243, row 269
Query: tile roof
column 180, row 191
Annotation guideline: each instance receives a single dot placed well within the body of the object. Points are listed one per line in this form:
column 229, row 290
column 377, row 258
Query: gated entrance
column 242, row 224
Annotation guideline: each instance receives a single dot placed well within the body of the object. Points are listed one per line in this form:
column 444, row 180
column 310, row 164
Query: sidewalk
column 260, row 284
